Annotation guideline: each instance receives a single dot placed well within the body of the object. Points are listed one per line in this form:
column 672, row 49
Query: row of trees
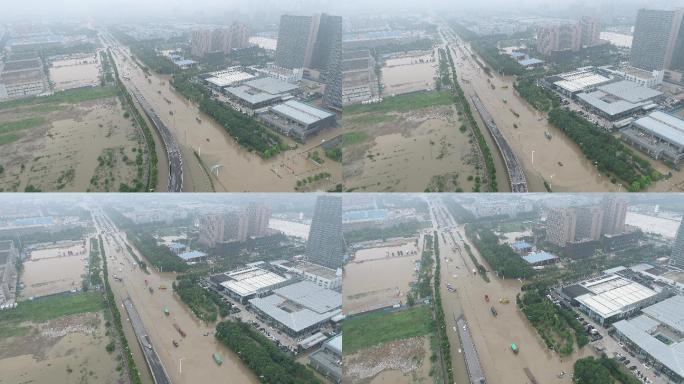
column 204, row 304
column 158, row 256
column 501, row 257
column 540, row 98
column 608, row 153
column 462, row 101
column 440, row 321
column 264, row 358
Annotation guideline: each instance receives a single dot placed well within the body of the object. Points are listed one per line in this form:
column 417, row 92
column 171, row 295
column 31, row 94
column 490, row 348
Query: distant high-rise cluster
column 223, row 40
column 568, row 36
column 314, row 42
column 658, row 40
column 677, row 257
column 326, row 243
column 234, row 226
column 564, row 225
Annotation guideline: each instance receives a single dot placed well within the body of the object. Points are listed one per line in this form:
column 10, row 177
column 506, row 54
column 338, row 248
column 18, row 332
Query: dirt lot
column 75, row 71
column 69, row 349
column 401, row 361
column 402, row 145
column 409, row 72
column 81, row 146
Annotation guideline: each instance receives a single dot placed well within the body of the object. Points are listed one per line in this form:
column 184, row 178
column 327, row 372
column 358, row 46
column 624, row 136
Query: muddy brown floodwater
column 191, row 361
column 239, row 169
column 558, row 161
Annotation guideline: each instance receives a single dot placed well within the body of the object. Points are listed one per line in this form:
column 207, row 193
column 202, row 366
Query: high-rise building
column 559, row 37
column 591, row 31
column 589, row 222
column 326, row 243
column 211, row 229
column 677, row 257
column 258, row 216
column 294, row 41
column 220, row 40
column 614, row 215
column 328, row 55
column 656, row 35
column 561, row 224
column 236, row 226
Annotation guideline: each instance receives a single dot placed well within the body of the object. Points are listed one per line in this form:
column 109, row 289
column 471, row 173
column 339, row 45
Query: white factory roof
column 580, row 80
column 228, row 77
column 250, row 95
column 641, row 332
column 611, row 295
column 191, row 255
column 630, row 91
column 336, row 344
column 300, row 305
column 248, row 281
column 665, row 126
column 538, row 257
column 301, row 112
column 271, row 85
column 607, row 103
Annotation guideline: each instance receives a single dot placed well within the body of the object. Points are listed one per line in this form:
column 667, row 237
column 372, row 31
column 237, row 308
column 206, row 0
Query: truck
column 151, row 289
column 450, row 287
column 175, row 343
column 494, row 312
column 166, row 311
column 180, row 331
column 217, row 358
column 514, row 348
column 162, row 286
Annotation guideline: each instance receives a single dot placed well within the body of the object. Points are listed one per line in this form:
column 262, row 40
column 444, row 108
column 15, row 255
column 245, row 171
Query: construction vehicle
column 504, row 300
column 217, row 358
column 175, row 343
column 166, row 311
column 514, row 348
column 487, row 298
column 494, row 312
column 162, row 286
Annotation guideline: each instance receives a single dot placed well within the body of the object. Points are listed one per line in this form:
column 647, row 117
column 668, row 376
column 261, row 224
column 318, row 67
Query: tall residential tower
column 326, row 242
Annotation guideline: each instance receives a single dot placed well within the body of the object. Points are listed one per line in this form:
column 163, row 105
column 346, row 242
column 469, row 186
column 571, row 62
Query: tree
column 591, row 371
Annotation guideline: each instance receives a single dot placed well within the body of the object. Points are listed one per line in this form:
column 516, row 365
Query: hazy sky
column 40, row 9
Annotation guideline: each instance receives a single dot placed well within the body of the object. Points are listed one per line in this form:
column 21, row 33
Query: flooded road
column 191, row 361
column 558, row 161
column 238, row 169
column 493, row 335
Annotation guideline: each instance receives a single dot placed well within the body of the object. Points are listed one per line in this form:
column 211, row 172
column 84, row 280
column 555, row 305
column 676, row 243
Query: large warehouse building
column 619, row 100
column 294, row 118
column 609, row 298
column 300, row 308
column 252, row 281
column 657, row 335
column 328, row 359
column 260, row 93
column 659, row 134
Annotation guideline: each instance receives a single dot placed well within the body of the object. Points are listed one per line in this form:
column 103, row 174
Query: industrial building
column 298, row 309
column 22, row 76
column 193, row 256
column 522, row 247
column 8, row 273
column 644, row 78
column 328, row 359
column 659, row 135
column 322, row 276
column 619, row 100
column 326, row 245
column 541, row 258
column 359, row 80
column 254, row 280
column 297, row 119
column 580, row 80
column 226, row 78
column 611, row 297
column 657, row 336
column 260, row 93
column 292, row 76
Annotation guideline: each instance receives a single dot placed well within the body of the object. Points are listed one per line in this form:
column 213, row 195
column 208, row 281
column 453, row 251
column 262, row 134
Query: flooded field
column 199, row 136
column 53, row 270
column 558, row 161
column 410, row 148
column 397, row 362
column 666, row 227
column 75, row 72
column 72, row 146
column 375, row 279
column 404, row 73
column 69, row 349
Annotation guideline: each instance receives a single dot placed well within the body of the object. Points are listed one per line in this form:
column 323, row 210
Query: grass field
column 70, row 96
column 353, row 138
column 42, row 310
column 376, row 328
column 403, row 103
